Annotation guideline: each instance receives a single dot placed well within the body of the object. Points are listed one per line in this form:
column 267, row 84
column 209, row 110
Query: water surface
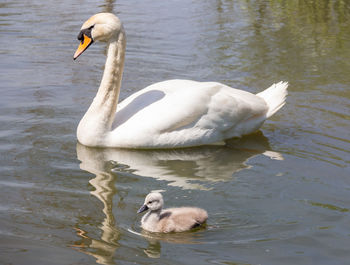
column 280, row 196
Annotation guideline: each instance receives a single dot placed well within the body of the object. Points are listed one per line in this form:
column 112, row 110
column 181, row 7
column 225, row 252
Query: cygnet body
column 169, row 220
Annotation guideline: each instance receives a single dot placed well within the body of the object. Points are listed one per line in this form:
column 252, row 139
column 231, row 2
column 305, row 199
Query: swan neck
column 97, row 121
column 112, row 76
column 156, row 212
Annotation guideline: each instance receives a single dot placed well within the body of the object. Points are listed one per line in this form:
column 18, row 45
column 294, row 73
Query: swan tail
column 275, row 97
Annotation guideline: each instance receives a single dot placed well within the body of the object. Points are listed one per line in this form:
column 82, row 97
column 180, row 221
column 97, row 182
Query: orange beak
column 84, row 44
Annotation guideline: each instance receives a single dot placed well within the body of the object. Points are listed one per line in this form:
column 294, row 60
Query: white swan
column 168, row 114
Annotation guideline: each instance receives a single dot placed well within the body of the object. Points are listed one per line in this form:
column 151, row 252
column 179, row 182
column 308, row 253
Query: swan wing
column 186, row 113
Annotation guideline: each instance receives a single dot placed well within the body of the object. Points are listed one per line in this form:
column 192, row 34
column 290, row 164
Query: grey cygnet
column 171, row 219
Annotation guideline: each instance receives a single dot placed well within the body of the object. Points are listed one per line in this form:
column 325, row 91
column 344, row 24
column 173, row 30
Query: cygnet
column 171, row 219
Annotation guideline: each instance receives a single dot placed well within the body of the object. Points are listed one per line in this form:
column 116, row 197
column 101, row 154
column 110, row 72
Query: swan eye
column 150, row 201
column 86, row 32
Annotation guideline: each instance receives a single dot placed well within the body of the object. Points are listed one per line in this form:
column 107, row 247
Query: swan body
column 168, row 114
column 169, row 220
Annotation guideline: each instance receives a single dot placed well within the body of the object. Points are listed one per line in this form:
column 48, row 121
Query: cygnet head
column 153, row 202
column 100, row 27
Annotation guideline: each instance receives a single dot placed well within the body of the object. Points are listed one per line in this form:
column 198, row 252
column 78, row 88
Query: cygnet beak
column 142, row 209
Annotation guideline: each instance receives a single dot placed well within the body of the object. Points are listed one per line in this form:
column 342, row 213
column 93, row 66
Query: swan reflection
column 102, row 249
column 185, row 168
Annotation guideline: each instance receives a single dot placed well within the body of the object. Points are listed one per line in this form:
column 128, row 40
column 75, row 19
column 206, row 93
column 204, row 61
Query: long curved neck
column 109, row 89
column 98, row 119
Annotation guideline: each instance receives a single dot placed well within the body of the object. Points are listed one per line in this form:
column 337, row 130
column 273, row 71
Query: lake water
column 280, row 196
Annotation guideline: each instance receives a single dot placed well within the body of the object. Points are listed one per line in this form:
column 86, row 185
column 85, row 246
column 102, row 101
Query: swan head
column 153, row 202
column 100, row 27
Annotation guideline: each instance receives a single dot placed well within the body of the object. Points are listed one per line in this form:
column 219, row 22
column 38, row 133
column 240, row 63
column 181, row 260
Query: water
column 280, row 196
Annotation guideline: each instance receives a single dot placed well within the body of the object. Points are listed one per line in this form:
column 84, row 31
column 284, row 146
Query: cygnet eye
column 150, row 201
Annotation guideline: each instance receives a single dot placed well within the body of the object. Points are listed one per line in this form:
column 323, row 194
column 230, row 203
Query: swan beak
column 142, row 209
column 84, row 44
